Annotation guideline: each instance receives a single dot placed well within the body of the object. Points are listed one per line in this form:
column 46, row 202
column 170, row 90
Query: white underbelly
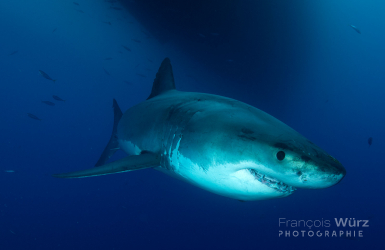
column 230, row 180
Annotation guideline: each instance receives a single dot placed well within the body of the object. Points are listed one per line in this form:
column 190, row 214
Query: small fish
column 141, row 75
column 229, row 61
column 149, row 60
column 370, row 141
column 129, row 83
column 201, row 35
column 14, row 52
column 108, row 58
column 46, row 76
column 58, row 98
column 109, row 23
column 9, row 171
column 108, row 73
column 356, row 29
column 215, row 34
column 144, row 32
column 116, row 8
column 54, row 30
column 76, row 3
column 12, row 231
column 48, row 103
column 127, row 48
column 80, row 11
column 136, row 40
column 33, row 116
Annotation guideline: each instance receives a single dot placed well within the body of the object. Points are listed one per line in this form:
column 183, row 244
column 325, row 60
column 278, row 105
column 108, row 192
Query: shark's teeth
column 272, row 183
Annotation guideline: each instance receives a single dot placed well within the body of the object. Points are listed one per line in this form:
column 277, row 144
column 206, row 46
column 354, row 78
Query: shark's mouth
column 272, row 183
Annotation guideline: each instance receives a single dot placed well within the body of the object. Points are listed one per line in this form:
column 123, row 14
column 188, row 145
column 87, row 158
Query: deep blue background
column 297, row 60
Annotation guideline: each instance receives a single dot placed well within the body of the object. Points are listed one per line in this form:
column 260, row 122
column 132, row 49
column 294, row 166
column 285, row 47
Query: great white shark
column 216, row 143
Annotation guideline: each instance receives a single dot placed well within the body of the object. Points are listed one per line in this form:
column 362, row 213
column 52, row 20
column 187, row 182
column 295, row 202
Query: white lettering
column 281, row 222
column 338, row 223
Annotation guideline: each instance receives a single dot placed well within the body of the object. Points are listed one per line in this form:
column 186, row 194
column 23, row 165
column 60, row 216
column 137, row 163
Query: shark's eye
column 280, row 155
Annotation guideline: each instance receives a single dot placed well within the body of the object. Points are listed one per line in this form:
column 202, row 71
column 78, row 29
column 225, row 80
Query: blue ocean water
column 300, row 61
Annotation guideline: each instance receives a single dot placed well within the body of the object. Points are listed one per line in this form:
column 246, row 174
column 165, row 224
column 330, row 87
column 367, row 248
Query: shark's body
column 216, row 143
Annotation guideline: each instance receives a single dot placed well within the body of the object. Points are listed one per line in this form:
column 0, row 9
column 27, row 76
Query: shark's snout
column 302, row 164
column 334, row 172
column 320, row 173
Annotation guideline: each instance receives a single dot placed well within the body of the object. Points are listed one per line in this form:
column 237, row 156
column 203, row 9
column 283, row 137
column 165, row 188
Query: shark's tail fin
column 113, row 144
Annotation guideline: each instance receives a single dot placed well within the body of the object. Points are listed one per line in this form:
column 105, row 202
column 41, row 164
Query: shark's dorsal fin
column 164, row 80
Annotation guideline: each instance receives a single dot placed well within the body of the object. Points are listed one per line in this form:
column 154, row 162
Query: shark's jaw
column 272, row 182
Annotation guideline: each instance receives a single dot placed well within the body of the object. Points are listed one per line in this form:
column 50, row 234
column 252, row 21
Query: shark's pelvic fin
column 113, row 144
column 129, row 163
column 164, row 80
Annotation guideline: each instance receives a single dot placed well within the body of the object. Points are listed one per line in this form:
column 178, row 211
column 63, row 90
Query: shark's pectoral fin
column 129, row 163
